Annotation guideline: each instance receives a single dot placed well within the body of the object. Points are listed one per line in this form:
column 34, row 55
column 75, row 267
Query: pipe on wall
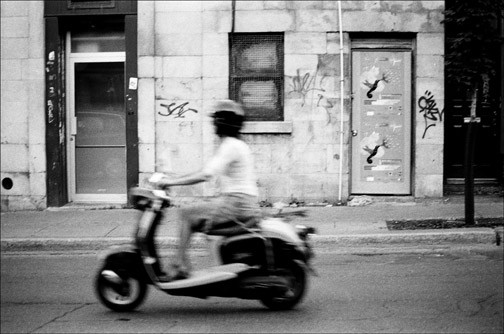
column 233, row 13
column 342, row 104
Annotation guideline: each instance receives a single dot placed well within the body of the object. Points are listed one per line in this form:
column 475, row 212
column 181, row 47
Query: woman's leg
column 191, row 220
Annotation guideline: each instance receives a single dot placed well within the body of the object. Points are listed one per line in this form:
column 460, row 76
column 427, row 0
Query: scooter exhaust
column 251, row 287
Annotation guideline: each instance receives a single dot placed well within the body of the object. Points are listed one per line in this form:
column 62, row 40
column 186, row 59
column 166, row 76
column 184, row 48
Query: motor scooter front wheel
column 296, row 276
column 120, row 296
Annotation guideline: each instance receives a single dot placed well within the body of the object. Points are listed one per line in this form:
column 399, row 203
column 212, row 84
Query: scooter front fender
column 103, row 255
column 124, row 259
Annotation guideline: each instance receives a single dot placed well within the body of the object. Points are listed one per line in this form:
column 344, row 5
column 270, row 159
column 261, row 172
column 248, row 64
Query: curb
column 479, row 236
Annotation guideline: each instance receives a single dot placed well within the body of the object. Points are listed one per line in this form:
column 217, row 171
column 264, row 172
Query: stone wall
column 184, row 59
column 23, row 163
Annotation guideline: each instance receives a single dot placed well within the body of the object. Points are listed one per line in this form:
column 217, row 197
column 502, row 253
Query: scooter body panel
column 125, row 259
column 277, row 228
column 206, row 276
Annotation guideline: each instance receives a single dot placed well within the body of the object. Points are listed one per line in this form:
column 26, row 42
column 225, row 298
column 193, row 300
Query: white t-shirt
column 233, row 163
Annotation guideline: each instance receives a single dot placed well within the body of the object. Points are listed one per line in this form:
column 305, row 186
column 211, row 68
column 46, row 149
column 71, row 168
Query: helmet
column 228, row 118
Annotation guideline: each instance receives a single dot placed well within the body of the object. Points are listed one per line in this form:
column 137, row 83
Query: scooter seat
column 207, row 276
column 231, row 228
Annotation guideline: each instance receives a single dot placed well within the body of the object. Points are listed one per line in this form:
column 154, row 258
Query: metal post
column 469, row 161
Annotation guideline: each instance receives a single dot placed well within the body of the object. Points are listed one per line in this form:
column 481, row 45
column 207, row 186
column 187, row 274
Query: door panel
column 486, row 158
column 381, row 122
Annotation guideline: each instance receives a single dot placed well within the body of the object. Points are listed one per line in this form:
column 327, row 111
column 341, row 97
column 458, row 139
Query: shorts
column 223, row 211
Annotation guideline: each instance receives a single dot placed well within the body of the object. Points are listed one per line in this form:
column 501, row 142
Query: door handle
column 354, row 133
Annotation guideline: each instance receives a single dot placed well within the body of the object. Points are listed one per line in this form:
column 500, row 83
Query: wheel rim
column 126, row 294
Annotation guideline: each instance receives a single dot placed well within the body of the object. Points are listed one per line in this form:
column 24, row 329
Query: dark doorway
column 488, row 158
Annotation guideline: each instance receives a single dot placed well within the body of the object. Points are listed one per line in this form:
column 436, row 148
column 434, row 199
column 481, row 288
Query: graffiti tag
column 431, row 113
column 50, row 109
column 303, row 85
column 177, row 110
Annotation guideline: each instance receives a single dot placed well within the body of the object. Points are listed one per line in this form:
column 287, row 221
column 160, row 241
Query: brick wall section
column 22, row 105
column 185, row 58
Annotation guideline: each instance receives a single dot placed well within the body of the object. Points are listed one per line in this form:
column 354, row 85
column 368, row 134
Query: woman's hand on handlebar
column 158, row 181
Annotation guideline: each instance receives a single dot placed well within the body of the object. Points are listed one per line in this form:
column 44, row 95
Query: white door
column 96, row 125
column 381, row 122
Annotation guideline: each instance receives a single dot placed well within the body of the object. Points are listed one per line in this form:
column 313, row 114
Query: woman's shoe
column 164, row 278
column 177, row 273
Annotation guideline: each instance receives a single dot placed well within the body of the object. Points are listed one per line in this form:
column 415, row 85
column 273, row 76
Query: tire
column 122, row 297
column 297, row 277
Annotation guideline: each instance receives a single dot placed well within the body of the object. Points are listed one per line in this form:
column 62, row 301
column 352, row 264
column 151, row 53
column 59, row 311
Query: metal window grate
column 256, row 74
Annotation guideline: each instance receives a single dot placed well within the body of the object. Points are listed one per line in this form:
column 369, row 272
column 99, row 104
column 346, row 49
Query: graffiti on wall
column 428, row 106
column 319, row 83
column 304, row 84
column 176, row 110
column 51, row 70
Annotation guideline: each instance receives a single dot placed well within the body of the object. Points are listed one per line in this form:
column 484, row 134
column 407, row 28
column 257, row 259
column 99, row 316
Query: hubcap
column 126, row 293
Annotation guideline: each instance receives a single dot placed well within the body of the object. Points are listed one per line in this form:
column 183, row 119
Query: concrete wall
column 183, row 58
column 22, row 105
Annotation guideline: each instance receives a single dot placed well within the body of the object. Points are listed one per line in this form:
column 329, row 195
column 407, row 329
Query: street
column 450, row 290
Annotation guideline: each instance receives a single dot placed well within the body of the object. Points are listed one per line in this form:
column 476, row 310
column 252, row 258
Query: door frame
column 72, row 59
column 61, row 16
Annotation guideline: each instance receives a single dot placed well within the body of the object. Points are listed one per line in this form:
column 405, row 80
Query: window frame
column 236, row 76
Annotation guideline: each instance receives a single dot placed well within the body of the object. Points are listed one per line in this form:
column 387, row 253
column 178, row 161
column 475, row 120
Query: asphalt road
column 441, row 290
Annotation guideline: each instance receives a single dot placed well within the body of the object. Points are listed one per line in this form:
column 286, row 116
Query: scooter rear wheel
column 120, row 297
column 297, row 278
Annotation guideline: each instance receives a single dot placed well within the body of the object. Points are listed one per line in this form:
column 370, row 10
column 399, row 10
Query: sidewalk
column 95, row 228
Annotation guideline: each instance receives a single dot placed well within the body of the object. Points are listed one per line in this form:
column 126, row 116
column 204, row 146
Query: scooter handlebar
column 140, row 197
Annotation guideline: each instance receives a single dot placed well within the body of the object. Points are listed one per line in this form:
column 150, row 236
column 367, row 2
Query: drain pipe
column 233, row 14
column 342, row 104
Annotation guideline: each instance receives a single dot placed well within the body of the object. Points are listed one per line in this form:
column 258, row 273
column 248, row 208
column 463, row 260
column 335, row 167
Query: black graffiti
column 431, row 113
column 178, row 111
column 372, row 87
column 374, row 151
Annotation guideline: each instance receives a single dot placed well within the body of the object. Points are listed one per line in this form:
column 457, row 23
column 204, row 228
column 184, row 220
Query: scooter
column 265, row 259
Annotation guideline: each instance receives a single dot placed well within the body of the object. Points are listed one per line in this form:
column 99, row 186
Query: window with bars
column 256, row 74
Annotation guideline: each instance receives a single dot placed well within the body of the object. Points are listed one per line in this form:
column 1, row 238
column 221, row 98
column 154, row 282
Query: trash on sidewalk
column 360, row 201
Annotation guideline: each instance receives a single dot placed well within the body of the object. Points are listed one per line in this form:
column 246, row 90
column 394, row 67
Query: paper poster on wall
column 381, row 82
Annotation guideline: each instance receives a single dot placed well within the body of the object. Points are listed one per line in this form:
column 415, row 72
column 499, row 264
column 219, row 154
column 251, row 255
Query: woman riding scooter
column 233, row 165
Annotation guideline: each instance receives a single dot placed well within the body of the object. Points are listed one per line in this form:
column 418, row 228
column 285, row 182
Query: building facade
column 343, row 98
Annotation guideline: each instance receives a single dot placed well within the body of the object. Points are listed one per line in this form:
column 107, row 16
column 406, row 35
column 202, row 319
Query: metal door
column 97, row 127
column 381, row 122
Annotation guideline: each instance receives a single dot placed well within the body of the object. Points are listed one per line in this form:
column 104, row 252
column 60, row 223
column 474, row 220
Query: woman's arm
column 185, row 180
